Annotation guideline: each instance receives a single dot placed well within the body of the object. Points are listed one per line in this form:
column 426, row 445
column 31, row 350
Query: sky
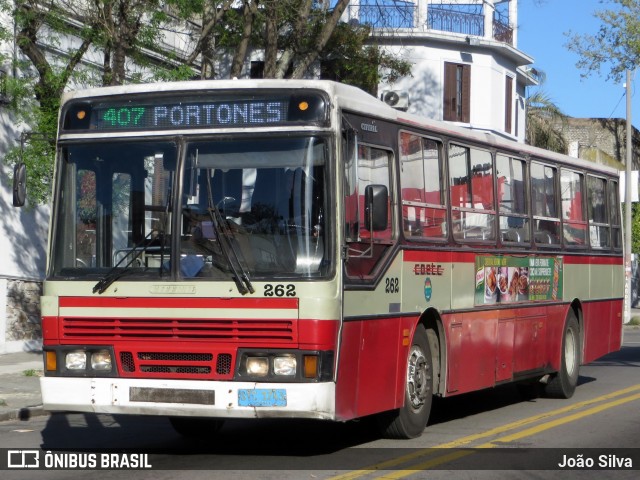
column 542, row 28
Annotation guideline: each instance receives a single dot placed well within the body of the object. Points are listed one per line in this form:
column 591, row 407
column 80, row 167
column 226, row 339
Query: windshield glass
column 269, row 194
column 113, row 207
column 248, row 209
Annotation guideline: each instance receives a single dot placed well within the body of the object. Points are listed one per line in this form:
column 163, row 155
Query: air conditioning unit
column 398, row 99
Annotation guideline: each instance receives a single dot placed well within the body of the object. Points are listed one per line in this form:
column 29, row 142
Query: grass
column 634, row 321
column 30, row 373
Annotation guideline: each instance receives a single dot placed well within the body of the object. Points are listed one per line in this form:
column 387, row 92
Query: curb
column 23, row 414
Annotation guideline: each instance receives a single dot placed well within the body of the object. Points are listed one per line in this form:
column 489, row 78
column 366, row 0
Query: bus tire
column 563, row 383
column 410, row 420
column 196, row 427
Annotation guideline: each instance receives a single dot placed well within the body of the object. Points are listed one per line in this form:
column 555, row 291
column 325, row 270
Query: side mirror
column 19, row 184
column 376, row 209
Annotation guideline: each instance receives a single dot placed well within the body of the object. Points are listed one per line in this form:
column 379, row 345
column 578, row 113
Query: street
column 488, row 434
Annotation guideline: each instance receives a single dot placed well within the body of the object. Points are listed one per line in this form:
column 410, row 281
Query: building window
column 257, row 70
column 508, row 104
column 457, row 90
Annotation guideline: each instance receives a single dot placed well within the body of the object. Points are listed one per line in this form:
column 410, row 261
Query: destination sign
column 210, row 114
column 193, row 112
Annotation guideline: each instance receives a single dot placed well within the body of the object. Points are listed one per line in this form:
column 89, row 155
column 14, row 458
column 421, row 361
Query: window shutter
column 466, row 94
column 449, row 100
column 508, row 104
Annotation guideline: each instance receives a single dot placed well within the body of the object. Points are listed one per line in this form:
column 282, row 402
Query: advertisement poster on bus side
column 507, row 279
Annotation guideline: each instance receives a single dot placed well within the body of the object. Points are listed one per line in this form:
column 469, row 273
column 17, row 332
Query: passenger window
column 546, row 222
column 471, row 190
column 514, row 215
column 614, row 215
column 424, row 213
column 574, row 220
column 597, row 209
column 366, row 248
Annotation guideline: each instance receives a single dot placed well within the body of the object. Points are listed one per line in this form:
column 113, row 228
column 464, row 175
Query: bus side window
column 599, row 230
column 614, row 214
column 424, row 211
column 471, row 194
column 365, row 247
column 574, row 229
column 546, row 223
column 514, row 215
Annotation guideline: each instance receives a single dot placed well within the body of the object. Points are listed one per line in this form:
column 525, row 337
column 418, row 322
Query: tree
column 119, row 29
column 122, row 40
column 543, row 121
column 616, row 46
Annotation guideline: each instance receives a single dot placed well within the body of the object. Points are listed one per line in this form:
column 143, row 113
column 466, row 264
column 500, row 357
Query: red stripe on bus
column 438, row 256
column 580, row 260
column 180, row 302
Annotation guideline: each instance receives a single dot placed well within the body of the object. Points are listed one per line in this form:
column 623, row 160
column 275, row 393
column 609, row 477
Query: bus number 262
column 279, row 290
column 392, row 285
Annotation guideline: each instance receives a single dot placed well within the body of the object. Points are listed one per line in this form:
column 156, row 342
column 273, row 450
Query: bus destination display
column 190, row 112
column 192, row 115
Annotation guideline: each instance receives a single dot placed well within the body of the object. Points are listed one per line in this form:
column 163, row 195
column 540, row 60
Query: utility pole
column 627, row 208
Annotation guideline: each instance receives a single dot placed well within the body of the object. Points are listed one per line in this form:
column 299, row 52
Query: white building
column 23, row 241
column 467, row 68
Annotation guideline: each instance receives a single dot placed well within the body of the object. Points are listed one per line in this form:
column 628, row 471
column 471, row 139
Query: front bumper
column 183, row 398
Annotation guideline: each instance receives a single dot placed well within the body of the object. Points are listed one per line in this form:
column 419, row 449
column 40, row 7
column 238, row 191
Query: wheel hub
column 418, row 378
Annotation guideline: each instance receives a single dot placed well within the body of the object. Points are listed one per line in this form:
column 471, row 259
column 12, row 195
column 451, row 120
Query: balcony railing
column 398, row 15
column 502, row 33
column 455, row 22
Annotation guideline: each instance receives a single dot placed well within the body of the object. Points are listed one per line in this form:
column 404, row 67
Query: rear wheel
column 411, row 419
column 196, row 427
column 563, row 384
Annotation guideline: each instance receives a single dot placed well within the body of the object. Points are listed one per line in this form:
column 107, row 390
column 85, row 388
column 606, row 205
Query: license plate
column 262, row 397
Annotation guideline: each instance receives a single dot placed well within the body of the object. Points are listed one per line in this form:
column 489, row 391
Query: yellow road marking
column 494, row 431
column 509, row 438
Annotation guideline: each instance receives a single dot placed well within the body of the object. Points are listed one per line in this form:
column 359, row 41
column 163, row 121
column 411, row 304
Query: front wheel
column 563, row 384
column 410, row 420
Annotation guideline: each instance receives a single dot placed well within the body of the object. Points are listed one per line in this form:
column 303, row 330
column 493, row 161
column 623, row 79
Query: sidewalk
column 20, row 385
column 20, row 374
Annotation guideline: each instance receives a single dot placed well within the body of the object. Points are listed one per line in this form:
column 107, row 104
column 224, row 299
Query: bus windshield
column 255, row 206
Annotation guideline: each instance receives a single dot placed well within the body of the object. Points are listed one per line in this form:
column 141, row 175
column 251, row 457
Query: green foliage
column 544, row 123
column 616, row 45
column 635, row 227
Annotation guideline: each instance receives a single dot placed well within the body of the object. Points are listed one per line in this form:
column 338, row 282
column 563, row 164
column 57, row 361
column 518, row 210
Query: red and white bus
column 280, row 248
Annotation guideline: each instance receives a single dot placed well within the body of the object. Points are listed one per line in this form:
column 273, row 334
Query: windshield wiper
column 225, row 237
column 115, row 273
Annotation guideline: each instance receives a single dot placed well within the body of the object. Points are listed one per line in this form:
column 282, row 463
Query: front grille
column 112, row 329
column 175, row 369
column 182, row 357
column 223, row 365
column 176, row 365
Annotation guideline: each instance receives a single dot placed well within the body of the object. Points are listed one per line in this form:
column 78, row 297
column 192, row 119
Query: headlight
column 258, row 366
column 76, row 361
column 284, row 365
column 101, row 361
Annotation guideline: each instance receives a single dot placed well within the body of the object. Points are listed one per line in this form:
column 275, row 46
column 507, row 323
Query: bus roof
column 347, row 98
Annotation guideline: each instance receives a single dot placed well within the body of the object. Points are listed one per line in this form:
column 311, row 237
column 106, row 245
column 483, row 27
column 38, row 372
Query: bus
column 299, row 249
